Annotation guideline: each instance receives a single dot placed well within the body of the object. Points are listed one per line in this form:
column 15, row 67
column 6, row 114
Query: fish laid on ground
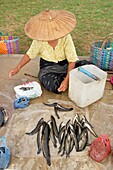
column 39, row 133
column 78, row 131
column 4, row 117
column 71, row 146
column 73, row 135
column 54, row 126
column 84, row 119
column 68, row 124
column 62, row 108
column 55, row 108
column 35, row 130
column 61, row 147
column 45, row 144
column 70, row 135
column 64, row 144
column 68, row 141
column 58, row 107
column 52, row 135
column 63, row 128
column 51, row 105
column 77, row 119
column 88, row 126
column 61, row 124
column 83, row 139
column 1, row 118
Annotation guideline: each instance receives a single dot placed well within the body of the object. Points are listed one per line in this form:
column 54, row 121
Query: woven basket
column 9, row 44
column 101, row 53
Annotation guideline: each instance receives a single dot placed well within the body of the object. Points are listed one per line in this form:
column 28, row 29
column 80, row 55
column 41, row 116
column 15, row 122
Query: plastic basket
column 9, row 44
column 101, row 53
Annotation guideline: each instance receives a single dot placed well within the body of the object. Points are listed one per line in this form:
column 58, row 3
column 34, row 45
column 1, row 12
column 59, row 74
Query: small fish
column 84, row 119
column 39, row 133
column 52, row 135
column 45, row 144
column 62, row 108
column 73, row 135
column 35, row 130
column 77, row 118
column 89, row 126
column 2, row 149
column 71, row 146
column 68, row 142
column 61, row 124
column 51, row 105
column 74, row 123
column 26, row 88
column 64, row 147
column 55, row 128
column 61, row 147
column 68, row 124
column 1, row 118
column 55, row 108
column 4, row 117
column 63, row 128
column 76, row 129
column 83, row 139
column 56, row 111
column 58, row 107
column 72, row 127
column 43, row 126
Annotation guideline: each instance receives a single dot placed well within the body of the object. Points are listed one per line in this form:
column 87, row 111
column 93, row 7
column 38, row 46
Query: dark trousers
column 51, row 81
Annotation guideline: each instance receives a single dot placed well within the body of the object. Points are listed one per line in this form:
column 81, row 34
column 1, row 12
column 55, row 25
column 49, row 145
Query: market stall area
column 23, row 147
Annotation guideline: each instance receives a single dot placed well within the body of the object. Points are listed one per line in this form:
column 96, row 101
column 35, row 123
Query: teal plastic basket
column 101, row 54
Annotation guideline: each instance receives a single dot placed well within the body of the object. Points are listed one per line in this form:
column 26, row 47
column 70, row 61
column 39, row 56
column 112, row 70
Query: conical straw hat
column 50, row 25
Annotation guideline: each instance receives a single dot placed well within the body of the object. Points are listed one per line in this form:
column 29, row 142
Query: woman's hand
column 13, row 71
column 23, row 62
column 64, row 85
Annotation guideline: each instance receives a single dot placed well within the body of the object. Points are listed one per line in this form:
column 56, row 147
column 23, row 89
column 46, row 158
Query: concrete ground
column 23, row 147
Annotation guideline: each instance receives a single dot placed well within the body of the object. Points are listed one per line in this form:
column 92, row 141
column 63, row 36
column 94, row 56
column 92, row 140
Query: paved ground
column 23, row 148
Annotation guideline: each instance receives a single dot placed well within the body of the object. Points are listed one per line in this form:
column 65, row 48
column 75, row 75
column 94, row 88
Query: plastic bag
column 4, row 154
column 21, row 102
column 100, row 148
column 29, row 89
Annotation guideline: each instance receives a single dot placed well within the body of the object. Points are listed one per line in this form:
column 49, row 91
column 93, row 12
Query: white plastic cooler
column 84, row 90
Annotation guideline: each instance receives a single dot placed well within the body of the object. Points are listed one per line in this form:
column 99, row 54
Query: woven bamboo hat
column 50, row 25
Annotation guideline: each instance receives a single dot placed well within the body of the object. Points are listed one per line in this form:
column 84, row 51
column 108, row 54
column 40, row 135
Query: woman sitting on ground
column 52, row 42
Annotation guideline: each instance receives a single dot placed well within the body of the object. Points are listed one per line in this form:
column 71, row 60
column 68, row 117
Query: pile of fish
column 67, row 136
column 3, row 117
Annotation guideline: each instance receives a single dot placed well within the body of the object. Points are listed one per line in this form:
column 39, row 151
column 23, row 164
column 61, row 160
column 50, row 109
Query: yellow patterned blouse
column 64, row 49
